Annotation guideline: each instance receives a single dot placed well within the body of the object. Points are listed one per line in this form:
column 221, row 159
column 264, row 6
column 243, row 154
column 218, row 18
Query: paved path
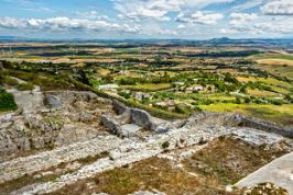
column 279, row 172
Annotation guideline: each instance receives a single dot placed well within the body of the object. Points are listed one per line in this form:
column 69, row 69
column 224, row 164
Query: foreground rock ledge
column 133, row 151
column 279, row 172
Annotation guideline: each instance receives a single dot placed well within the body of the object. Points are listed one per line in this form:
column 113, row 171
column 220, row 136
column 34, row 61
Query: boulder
column 129, row 130
column 111, row 124
column 119, row 107
column 52, row 101
column 141, row 118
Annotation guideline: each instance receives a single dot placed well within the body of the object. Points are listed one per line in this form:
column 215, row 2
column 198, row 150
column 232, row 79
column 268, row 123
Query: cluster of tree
column 215, row 54
column 135, row 80
column 6, row 101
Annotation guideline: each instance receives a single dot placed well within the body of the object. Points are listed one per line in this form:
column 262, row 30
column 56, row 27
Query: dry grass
column 258, row 93
column 148, row 87
column 276, row 62
column 281, row 114
column 246, row 79
column 150, row 174
column 223, row 161
column 227, row 160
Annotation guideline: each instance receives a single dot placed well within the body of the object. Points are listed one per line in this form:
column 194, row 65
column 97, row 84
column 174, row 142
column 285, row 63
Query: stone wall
column 266, row 126
column 134, row 116
column 236, row 120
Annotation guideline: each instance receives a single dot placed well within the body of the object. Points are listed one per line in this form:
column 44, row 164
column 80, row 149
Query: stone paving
column 279, row 172
column 133, row 150
column 20, row 167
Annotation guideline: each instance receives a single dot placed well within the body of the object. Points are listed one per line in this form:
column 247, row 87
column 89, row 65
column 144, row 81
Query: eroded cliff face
column 49, row 120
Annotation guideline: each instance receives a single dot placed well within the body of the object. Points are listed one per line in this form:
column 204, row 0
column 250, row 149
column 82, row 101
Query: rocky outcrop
column 119, row 107
column 237, row 120
column 141, row 118
column 49, row 120
column 111, row 124
column 28, row 165
column 52, row 101
column 135, row 119
column 68, row 123
column 264, row 125
column 30, row 102
column 278, row 172
column 134, row 150
column 72, row 132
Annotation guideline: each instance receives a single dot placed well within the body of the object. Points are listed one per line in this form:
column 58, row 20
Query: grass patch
column 281, row 71
column 150, row 174
column 25, row 86
column 281, row 114
column 275, row 56
column 227, row 160
column 148, row 87
column 258, row 93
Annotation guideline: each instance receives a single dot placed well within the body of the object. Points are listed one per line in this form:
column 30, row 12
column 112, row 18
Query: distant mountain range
column 166, row 42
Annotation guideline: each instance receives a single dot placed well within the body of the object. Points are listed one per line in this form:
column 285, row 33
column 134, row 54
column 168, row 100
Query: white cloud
column 158, row 9
column 180, row 26
column 200, row 18
column 65, row 23
column 8, row 22
column 262, row 27
column 93, row 14
column 137, row 10
column 275, row 27
column 280, row 7
column 240, row 19
column 246, row 5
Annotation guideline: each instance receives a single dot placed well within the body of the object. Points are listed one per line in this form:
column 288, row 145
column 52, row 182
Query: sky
column 143, row 19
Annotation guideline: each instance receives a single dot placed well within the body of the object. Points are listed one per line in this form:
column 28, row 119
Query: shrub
column 9, row 81
column 182, row 109
column 165, row 145
column 276, row 102
column 247, row 100
column 238, row 100
column 7, row 102
column 124, row 94
column 25, row 86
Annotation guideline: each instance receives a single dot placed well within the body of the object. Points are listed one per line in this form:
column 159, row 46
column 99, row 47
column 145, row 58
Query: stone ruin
column 129, row 121
column 49, row 120
column 82, row 142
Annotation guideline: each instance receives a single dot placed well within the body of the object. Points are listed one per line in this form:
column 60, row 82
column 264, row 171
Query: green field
column 169, row 82
column 279, row 114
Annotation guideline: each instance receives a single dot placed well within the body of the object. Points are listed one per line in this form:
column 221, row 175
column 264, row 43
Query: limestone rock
column 129, row 130
column 111, row 124
column 52, row 101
